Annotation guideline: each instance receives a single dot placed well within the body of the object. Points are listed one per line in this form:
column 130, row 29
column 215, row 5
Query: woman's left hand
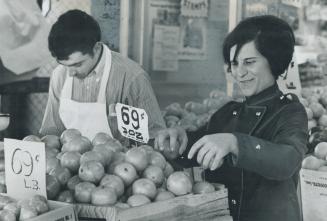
column 211, row 149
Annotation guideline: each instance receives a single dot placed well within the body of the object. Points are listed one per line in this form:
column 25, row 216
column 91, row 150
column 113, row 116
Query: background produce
column 193, row 115
column 318, row 159
column 315, row 102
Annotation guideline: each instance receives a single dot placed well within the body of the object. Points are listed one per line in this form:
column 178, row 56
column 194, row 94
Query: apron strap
column 105, row 75
column 67, row 89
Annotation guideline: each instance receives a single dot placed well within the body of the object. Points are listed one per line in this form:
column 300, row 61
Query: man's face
column 79, row 64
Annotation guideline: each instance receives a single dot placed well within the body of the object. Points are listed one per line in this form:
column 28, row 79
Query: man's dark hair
column 272, row 36
column 74, row 31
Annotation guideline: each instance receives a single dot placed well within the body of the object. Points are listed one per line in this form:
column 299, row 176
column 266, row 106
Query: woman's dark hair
column 74, row 31
column 272, row 36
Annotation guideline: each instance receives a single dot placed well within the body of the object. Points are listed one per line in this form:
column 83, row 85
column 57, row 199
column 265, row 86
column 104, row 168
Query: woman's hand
column 175, row 137
column 211, row 149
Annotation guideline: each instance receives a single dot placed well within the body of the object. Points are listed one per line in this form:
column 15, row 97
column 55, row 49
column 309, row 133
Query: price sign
column 132, row 122
column 24, row 168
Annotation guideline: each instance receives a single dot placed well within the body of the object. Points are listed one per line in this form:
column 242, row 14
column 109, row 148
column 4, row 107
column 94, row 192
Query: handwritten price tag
column 24, row 168
column 132, row 122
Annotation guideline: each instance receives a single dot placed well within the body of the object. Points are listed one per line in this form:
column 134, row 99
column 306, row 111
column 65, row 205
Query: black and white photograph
column 156, row 110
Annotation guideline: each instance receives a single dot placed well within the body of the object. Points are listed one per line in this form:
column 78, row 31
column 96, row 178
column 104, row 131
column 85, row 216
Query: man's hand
column 211, row 149
column 173, row 137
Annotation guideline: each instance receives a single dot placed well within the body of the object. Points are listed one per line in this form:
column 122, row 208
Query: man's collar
column 101, row 62
column 264, row 95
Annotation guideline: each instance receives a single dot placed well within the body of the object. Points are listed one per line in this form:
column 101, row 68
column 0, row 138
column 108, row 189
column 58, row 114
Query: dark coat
column 271, row 130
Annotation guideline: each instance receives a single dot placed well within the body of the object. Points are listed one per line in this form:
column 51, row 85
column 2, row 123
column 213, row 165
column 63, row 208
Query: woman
column 254, row 147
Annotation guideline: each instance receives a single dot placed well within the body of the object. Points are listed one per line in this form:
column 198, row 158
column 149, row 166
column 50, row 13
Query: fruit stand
column 102, row 179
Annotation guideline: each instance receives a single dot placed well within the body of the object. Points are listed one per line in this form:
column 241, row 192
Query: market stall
column 120, row 173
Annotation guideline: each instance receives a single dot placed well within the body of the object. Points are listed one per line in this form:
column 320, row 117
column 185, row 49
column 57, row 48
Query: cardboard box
column 191, row 207
column 313, row 186
column 58, row 212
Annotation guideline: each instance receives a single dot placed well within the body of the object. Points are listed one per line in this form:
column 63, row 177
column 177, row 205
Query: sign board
column 313, row 194
column 132, row 122
column 25, row 168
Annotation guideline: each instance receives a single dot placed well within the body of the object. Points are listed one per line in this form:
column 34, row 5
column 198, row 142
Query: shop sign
column 194, row 8
column 25, row 168
column 132, row 122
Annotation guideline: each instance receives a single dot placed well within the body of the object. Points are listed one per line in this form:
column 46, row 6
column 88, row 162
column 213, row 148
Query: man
column 89, row 79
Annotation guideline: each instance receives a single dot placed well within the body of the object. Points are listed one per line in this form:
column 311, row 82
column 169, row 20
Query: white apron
column 89, row 118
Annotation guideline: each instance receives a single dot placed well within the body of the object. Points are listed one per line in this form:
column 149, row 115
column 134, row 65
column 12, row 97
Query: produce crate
column 204, row 207
column 58, row 211
column 313, row 194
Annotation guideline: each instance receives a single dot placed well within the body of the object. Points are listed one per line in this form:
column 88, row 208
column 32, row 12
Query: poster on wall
column 165, row 48
column 194, row 8
column 165, row 12
column 193, row 39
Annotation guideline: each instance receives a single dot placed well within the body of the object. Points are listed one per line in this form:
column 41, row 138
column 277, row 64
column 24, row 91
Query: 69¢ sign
column 132, row 122
column 24, row 168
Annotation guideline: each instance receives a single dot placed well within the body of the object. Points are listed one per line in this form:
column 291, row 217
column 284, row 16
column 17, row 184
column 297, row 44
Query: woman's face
column 251, row 70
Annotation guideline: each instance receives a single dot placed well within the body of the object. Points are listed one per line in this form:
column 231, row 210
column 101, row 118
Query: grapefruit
column 70, row 160
column 164, row 195
column 93, row 156
column 145, row 187
column 113, row 181
column 103, row 196
column 66, row 196
column 62, row 174
column 73, row 181
column 83, row 192
column 157, row 159
column 138, row 200
column 101, row 138
column 51, row 164
column 320, row 150
column 69, row 134
column 179, row 183
column 137, row 157
column 52, row 186
column 105, row 152
column 155, row 174
column 51, row 141
column 203, row 187
column 80, row 144
column 312, row 163
column 91, row 171
column 32, row 138
column 126, row 172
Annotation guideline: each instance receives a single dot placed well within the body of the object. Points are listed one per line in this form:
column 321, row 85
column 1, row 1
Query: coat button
column 281, row 97
column 233, row 202
column 234, row 113
column 258, row 147
column 258, row 114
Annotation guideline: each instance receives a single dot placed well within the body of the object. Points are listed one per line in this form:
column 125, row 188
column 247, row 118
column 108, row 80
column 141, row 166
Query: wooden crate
column 204, row 207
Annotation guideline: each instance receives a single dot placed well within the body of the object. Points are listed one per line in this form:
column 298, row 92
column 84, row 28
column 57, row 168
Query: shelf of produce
column 191, row 207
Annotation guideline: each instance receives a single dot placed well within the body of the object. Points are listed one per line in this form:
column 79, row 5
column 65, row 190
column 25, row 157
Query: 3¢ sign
column 132, row 122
